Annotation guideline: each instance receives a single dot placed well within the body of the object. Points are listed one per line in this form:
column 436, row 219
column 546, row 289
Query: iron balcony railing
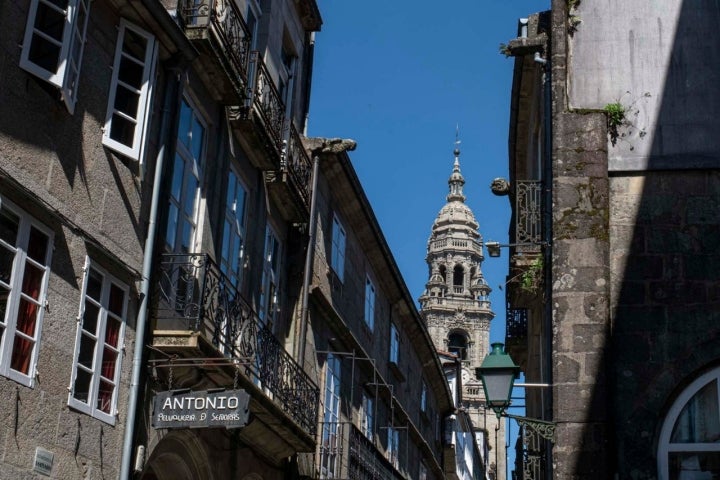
column 528, row 214
column 298, row 164
column 228, row 28
column 345, row 453
column 265, row 98
column 365, row 462
column 194, row 294
column 516, row 329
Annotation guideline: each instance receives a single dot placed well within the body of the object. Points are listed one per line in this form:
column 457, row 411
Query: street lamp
column 498, row 373
column 493, row 248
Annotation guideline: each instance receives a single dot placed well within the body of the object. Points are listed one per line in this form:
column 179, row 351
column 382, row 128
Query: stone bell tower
column 456, row 307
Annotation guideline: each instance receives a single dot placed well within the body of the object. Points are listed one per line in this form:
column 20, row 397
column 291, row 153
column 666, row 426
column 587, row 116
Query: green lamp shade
column 498, row 373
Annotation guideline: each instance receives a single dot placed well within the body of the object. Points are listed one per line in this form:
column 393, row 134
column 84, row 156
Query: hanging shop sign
column 202, row 409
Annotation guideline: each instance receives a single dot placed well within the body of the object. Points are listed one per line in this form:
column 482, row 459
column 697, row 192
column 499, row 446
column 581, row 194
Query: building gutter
column 141, row 324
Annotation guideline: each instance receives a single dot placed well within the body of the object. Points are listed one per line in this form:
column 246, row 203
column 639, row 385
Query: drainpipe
column 547, row 207
column 141, row 324
column 309, row 254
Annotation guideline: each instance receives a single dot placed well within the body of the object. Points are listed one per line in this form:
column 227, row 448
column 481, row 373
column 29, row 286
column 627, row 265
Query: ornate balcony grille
column 365, row 461
column 532, row 453
column 194, row 294
column 229, row 29
column 265, row 97
column 298, row 164
column 528, row 213
column 516, row 325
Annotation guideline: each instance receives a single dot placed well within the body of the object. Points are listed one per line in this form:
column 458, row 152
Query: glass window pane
column 698, row 422
column 198, row 133
column 117, row 300
column 178, row 171
column 94, row 285
column 7, row 258
column 134, row 45
column 184, row 126
column 81, row 389
column 50, row 21
column 21, row 354
column 131, row 73
column 171, row 233
column 27, row 314
column 105, row 396
column 122, row 130
column 90, row 318
column 112, row 331
column 109, row 361
column 4, row 294
column 694, row 465
column 32, row 280
column 37, row 245
column 87, row 351
column 9, row 224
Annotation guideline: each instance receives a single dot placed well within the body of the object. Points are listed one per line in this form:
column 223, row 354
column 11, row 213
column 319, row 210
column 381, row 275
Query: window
column 25, row 251
column 98, row 344
column 185, row 188
column 330, row 447
column 422, row 473
column 688, row 446
column 393, row 449
column 394, row 344
column 369, row 303
column 457, row 344
column 368, row 414
column 337, row 258
column 423, row 397
column 269, row 290
column 233, row 244
column 130, row 89
column 53, row 44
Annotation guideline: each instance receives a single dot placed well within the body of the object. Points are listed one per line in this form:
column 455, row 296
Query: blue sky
column 398, row 76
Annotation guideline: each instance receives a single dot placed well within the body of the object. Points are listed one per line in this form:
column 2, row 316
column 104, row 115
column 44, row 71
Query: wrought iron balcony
column 528, row 215
column 218, row 30
column 346, row 453
column 265, row 101
column 193, row 295
column 516, row 333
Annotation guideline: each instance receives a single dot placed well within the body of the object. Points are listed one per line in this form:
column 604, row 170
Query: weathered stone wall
column 665, row 300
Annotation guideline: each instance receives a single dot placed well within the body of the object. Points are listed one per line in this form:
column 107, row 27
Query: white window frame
column 140, row 118
column 394, row 355
column 8, row 328
column 393, row 447
column 332, row 429
column 369, row 303
column 67, row 74
column 90, row 407
column 367, row 420
column 192, row 166
column 665, row 445
column 270, row 286
column 232, row 253
column 337, row 249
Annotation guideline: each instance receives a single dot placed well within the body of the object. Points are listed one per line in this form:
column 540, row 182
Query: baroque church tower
column 456, row 306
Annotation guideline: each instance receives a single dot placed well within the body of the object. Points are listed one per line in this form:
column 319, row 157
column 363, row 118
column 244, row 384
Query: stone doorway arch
column 180, row 455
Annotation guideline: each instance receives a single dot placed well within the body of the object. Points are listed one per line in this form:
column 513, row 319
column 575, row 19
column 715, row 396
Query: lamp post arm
column 543, row 428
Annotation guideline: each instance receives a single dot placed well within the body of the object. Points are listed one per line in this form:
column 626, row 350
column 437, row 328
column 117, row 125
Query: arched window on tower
column 457, row 344
column 443, row 273
column 458, row 279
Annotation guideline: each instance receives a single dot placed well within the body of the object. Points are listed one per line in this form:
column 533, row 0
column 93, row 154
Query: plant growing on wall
column 622, row 118
column 615, row 117
column 531, row 279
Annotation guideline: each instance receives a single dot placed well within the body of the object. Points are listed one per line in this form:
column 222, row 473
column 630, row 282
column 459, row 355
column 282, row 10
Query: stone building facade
column 173, row 247
column 456, row 308
column 610, row 120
